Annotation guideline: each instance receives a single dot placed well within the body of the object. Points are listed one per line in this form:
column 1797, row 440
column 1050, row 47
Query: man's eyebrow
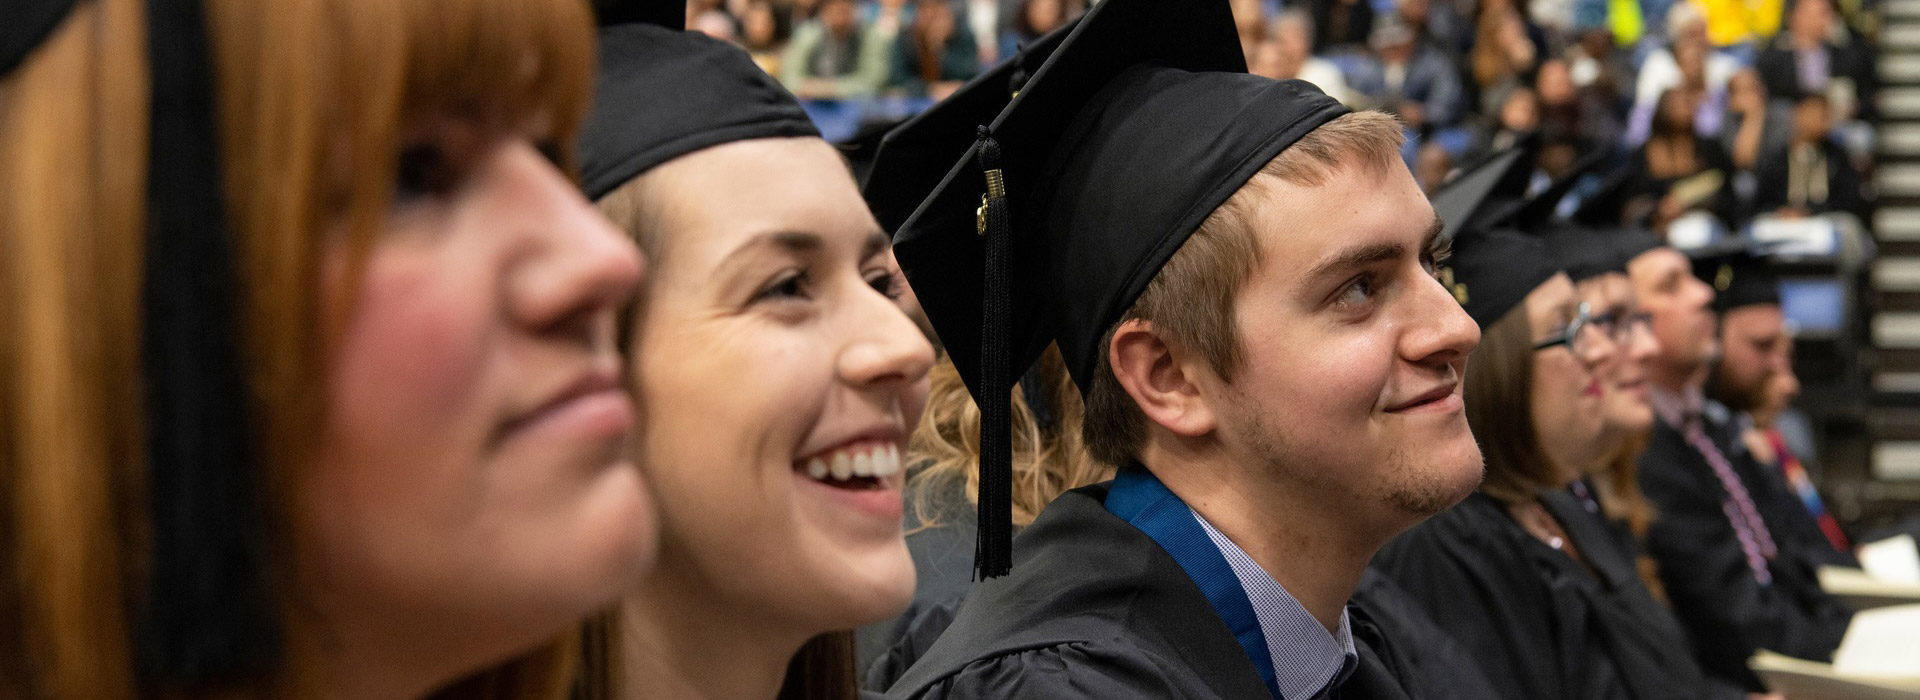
column 1357, row 256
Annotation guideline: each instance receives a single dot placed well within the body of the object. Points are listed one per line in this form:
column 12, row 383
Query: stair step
column 1898, row 179
column 1896, row 329
column 1901, row 139
column 1900, row 68
column 1903, row 35
column 1893, row 223
column 1897, row 274
column 1896, row 459
column 1900, row 102
column 1902, row 8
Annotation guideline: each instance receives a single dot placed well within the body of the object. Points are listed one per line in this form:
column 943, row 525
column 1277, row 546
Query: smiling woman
column 385, row 459
column 779, row 372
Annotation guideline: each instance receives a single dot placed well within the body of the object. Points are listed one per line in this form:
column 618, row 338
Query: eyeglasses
column 1620, row 325
column 1571, row 335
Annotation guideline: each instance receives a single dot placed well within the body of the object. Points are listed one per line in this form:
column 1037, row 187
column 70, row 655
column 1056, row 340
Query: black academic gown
column 1096, row 609
column 1727, row 614
column 1540, row 625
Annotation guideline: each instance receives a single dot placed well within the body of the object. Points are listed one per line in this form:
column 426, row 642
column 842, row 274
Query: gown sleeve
column 1061, row 672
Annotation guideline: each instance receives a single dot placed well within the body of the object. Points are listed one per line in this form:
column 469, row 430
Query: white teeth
column 885, row 461
column 817, row 468
column 862, row 465
column 842, row 467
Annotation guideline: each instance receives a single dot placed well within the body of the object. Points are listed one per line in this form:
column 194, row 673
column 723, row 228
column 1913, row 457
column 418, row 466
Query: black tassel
column 993, row 553
column 208, row 615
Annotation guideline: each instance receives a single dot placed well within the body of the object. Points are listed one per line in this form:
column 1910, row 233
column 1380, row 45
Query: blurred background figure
column 1287, row 52
column 935, row 54
column 835, row 55
column 1812, row 174
column 1413, row 80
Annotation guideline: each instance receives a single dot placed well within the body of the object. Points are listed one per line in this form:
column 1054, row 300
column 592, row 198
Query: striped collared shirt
column 1307, row 659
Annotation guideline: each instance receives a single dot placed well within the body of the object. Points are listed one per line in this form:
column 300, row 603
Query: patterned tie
column 1755, row 541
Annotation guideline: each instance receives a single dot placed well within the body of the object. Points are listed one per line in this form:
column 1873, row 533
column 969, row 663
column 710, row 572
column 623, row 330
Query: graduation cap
column 207, row 613
column 1583, row 252
column 901, row 178
column 1492, row 268
column 1139, row 125
column 1484, row 194
column 662, row 92
column 1739, row 273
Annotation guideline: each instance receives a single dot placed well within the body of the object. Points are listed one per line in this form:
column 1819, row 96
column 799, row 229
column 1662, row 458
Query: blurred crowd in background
column 1708, row 113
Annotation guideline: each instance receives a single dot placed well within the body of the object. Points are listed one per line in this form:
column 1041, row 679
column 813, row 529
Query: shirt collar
column 1307, row 659
column 1676, row 409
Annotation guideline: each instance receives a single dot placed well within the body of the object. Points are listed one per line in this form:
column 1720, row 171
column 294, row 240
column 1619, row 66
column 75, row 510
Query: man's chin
column 1446, row 477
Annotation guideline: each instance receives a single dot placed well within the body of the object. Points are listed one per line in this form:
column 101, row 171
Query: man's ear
column 1160, row 375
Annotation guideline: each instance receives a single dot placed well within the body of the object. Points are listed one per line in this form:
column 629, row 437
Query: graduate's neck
column 678, row 640
column 1300, row 543
column 1677, row 377
column 387, row 655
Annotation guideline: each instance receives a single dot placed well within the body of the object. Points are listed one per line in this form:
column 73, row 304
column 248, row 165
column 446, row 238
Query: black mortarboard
column 1581, row 251
column 1141, row 123
column 1491, row 269
column 1483, row 193
column 662, row 93
column 1630, row 241
column 909, row 164
column 206, row 614
column 1739, row 274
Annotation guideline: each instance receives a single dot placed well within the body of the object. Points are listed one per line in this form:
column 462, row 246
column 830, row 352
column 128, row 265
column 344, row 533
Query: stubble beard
column 1415, row 486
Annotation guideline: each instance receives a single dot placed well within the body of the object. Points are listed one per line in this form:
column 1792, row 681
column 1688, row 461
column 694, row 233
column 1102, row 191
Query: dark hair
column 823, row 670
column 1499, row 398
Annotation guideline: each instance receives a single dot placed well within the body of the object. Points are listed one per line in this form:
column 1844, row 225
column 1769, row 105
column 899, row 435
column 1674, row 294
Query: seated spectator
column 1432, row 166
column 1517, row 118
column 763, row 32
column 1341, row 23
column 1812, row 175
column 1818, row 55
column 1402, row 73
column 833, row 56
column 1437, row 23
column 1661, row 71
column 1596, row 63
column 934, row 55
column 1503, row 54
column 1250, row 21
column 1755, row 125
column 1033, row 20
column 1287, row 52
column 1709, row 99
column 717, row 24
column 1674, row 153
column 1587, row 114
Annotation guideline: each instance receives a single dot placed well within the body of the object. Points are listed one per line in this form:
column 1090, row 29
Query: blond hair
column 1047, row 460
column 312, row 96
column 1191, row 299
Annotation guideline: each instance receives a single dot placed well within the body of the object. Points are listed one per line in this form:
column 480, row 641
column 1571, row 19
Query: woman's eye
column 422, row 171
column 788, row 286
column 886, row 283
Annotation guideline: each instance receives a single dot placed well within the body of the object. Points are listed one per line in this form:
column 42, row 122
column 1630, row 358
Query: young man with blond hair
column 1241, row 277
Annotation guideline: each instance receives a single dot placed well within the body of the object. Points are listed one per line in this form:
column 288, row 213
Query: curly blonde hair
column 1047, row 459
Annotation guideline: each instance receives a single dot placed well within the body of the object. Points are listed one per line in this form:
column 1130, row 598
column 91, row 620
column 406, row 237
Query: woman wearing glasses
column 1525, row 573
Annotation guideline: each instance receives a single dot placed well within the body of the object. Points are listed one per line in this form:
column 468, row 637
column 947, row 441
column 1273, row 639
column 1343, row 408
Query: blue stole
column 1145, row 503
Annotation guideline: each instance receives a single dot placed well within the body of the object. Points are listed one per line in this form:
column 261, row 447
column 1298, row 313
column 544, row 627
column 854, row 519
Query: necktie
column 1809, row 496
column 1755, row 541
